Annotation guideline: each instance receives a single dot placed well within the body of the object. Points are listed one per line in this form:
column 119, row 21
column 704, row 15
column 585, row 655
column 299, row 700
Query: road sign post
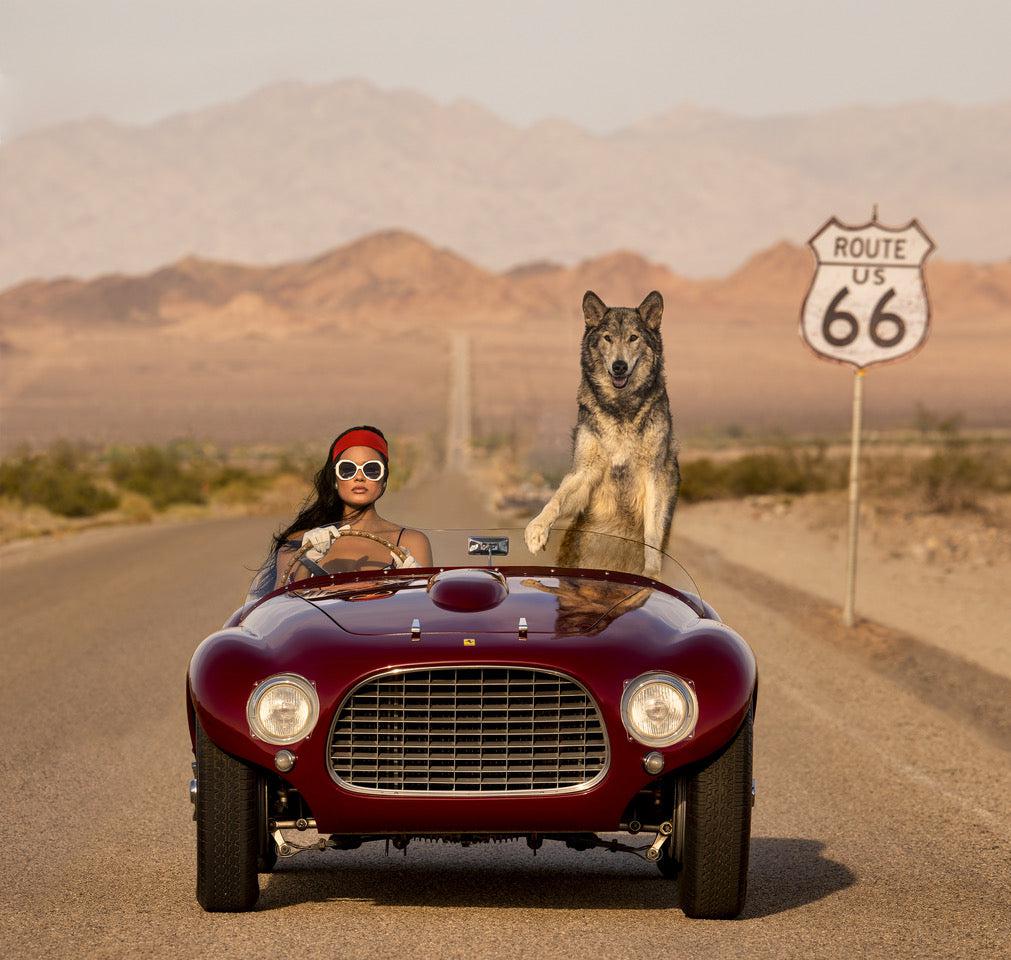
column 849, row 613
column 867, row 304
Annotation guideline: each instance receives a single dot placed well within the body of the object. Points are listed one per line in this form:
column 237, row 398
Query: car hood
column 479, row 601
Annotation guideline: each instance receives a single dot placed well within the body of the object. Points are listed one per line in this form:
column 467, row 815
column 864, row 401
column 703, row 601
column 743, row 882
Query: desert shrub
column 761, row 473
column 220, row 476
column 702, row 480
column 60, row 480
column 298, row 463
column 405, row 463
column 234, row 485
column 951, row 481
column 953, row 477
column 786, row 470
column 158, row 473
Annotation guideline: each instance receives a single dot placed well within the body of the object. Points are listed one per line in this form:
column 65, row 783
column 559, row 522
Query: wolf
column 625, row 478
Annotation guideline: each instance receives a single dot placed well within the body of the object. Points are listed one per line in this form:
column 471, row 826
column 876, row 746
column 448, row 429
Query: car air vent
column 468, row 730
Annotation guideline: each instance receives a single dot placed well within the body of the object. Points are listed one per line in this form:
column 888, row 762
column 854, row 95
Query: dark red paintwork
column 602, row 629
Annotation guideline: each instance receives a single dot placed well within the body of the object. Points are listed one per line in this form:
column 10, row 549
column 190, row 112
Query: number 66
column 834, row 315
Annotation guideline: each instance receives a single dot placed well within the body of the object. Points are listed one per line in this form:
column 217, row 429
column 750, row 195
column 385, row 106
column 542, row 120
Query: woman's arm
column 287, row 550
column 417, row 543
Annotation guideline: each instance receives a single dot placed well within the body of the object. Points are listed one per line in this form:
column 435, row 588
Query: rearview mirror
column 488, row 546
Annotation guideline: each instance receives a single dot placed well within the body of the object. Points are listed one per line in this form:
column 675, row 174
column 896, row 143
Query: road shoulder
column 939, row 578
column 940, row 678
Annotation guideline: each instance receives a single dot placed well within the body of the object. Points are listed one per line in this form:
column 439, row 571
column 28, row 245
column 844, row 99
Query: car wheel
column 228, row 826
column 717, row 831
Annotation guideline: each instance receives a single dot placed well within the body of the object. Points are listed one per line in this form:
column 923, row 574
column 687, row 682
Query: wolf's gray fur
column 624, row 478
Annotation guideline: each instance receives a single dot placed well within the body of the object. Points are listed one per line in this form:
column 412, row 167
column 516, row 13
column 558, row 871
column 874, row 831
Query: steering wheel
column 398, row 552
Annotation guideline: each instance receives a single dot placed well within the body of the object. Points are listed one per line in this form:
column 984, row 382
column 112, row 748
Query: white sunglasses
column 371, row 469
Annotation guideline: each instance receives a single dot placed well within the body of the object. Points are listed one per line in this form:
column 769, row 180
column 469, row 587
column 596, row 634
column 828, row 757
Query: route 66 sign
column 867, row 303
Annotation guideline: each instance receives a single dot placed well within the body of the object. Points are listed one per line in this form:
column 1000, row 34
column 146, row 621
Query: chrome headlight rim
column 684, row 730
column 295, row 680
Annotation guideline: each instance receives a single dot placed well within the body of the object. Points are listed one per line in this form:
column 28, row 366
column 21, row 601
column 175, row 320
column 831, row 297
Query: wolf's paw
column 536, row 534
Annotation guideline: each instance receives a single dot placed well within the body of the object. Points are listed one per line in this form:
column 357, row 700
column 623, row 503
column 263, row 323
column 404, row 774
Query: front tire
column 228, row 825
column 717, row 838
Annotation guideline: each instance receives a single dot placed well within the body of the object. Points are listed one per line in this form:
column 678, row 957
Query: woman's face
column 359, row 492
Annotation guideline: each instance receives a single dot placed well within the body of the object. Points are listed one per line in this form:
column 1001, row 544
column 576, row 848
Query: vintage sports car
column 492, row 697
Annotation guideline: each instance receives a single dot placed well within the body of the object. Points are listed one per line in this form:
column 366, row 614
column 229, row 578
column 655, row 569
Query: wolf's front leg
column 657, row 507
column 652, row 563
column 572, row 495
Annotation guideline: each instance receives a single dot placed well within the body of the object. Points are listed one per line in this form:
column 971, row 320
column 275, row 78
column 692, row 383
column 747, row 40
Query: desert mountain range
column 296, row 168
column 360, row 334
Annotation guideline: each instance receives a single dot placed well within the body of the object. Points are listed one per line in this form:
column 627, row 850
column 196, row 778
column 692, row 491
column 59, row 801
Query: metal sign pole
column 849, row 617
column 867, row 304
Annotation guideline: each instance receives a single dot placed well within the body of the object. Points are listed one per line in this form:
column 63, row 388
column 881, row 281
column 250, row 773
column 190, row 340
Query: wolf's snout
column 619, row 368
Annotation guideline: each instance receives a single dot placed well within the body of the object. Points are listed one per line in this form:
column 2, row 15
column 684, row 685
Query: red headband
column 360, row 438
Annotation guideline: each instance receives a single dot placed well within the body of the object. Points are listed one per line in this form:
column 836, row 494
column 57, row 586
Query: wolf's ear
column 651, row 310
column 593, row 308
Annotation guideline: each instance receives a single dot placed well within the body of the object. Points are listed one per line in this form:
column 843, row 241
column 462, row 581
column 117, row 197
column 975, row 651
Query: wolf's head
column 622, row 352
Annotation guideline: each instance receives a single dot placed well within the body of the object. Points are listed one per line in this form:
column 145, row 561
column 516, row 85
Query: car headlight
column 659, row 709
column 283, row 709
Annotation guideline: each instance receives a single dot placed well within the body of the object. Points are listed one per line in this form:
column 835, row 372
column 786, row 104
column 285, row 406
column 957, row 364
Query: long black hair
column 322, row 507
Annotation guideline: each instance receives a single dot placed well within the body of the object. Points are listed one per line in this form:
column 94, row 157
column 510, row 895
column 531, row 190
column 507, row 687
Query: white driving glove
column 322, row 539
column 408, row 561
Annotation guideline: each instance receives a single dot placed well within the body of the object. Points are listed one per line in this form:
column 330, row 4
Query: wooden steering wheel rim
column 395, row 550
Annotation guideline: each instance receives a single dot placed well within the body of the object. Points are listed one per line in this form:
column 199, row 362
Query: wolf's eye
column 607, row 338
column 633, row 338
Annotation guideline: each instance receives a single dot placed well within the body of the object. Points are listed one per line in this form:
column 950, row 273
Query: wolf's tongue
column 619, row 383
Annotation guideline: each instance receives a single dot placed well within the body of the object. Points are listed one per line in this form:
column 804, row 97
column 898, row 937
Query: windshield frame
column 693, row 597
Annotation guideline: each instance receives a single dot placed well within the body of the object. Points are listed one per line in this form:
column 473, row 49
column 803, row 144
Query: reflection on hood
column 587, row 607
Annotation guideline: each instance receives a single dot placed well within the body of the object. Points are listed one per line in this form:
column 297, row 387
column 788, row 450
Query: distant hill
column 359, row 334
column 296, row 168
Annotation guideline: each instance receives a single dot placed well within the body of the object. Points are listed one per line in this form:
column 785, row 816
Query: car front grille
column 468, row 730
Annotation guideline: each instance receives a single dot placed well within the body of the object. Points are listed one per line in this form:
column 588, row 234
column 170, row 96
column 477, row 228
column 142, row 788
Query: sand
column 942, row 578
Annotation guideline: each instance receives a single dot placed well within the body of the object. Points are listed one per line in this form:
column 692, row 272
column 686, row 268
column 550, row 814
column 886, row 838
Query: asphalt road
column 881, row 827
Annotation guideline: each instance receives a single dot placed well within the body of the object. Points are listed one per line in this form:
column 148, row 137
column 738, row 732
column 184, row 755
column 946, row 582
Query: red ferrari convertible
column 487, row 698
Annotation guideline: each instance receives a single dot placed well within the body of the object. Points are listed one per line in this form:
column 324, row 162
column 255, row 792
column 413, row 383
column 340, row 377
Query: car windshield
column 501, row 548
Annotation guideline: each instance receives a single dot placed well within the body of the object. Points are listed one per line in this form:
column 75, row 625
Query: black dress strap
column 402, row 529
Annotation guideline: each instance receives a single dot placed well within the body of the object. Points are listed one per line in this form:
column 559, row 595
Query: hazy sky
column 600, row 64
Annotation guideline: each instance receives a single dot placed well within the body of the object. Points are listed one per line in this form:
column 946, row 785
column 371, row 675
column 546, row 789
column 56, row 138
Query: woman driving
column 339, row 526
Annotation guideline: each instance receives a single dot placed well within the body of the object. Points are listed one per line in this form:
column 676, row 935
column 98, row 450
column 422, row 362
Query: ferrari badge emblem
column 867, row 303
column 469, row 642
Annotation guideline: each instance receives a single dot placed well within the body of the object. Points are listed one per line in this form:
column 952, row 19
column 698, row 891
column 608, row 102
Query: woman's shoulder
column 413, row 533
column 416, row 541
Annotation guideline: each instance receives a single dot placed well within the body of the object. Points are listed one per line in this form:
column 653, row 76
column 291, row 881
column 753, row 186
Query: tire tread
column 717, row 839
column 227, row 837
